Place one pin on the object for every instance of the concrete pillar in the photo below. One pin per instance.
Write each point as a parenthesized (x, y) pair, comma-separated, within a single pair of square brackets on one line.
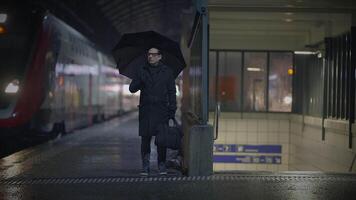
[(200, 158)]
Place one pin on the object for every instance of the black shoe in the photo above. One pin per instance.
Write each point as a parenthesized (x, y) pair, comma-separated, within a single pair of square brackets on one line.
[(145, 165), (144, 173), (162, 169)]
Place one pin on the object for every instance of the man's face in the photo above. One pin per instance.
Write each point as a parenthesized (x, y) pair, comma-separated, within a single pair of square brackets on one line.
[(153, 56)]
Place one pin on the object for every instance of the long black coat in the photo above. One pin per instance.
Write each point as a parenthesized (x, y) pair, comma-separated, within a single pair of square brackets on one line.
[(157, 98)]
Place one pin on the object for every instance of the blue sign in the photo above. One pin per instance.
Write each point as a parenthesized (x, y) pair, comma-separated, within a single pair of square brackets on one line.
[(247, 159), (247, 148)]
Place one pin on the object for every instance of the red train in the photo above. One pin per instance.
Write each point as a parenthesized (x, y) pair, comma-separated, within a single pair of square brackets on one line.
[(53, 79)]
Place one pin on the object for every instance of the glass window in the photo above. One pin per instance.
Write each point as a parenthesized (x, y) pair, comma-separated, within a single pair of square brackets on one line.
[(229, 82), (212, 80), (255, 77), (280, 82)]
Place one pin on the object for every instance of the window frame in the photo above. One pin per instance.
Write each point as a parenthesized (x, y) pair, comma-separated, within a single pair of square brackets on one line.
[(243, 51)]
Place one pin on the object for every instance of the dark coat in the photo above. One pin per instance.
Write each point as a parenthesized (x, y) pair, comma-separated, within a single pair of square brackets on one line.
[(157, 99)]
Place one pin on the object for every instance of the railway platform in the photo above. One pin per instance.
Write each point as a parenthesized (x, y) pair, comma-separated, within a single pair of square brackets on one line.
[(103, 162)]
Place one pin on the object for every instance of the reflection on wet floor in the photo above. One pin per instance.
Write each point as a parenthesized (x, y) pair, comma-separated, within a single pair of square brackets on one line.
[(108, 149)]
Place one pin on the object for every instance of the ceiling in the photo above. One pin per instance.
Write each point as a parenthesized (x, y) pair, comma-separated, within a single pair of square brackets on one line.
[(297, 5), (104, 21), (277, 24), (141, 15)]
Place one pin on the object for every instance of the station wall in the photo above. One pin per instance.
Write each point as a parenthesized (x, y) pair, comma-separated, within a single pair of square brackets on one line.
[(309, 152), (261, 133), (302, 148)]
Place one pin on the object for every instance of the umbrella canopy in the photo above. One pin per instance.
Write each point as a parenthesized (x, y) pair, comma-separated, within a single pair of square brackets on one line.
[(130, 52)]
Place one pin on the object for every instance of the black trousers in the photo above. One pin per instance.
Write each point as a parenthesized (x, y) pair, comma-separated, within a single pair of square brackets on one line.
[(146, 149)]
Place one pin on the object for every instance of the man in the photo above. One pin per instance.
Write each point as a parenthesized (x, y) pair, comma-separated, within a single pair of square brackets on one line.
[(157, 105)]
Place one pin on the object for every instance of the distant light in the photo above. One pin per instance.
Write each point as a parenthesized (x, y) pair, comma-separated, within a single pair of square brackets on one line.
[(12, 87), (304, 52), (290, 71), (254, 69), (287, 100), (3, 17), (2, 29), (61, 81), (273, 77), (288, 20), (289, 13)]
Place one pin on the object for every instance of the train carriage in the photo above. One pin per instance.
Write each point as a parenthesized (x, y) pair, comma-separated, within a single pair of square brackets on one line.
[(52, 78)]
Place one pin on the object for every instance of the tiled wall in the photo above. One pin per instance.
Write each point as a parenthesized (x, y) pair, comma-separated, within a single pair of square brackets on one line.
[(309, 152), (301, 139), (253, 129)]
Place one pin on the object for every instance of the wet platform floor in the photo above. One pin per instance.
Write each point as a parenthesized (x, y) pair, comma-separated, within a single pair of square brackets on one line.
[(103, 162)]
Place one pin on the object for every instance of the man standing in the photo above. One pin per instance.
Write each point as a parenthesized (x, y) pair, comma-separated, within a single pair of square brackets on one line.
[(157, 105)]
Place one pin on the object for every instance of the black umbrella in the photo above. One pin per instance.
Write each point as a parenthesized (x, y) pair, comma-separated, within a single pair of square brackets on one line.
[(130, 52)]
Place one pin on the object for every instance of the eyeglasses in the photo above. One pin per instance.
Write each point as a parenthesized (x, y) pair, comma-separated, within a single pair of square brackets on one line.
[(153, 54)]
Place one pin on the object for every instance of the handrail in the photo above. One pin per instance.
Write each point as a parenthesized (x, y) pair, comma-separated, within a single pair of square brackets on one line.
[(216, 120), (352, 163)]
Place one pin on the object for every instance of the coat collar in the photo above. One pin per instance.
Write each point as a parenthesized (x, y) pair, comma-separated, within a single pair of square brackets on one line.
[(160, 64), (162, 67), (146, 67)]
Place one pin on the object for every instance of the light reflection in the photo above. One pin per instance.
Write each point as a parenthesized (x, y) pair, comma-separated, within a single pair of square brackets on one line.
[(74, 69), (110, 71), (111, 88), (12, 166)]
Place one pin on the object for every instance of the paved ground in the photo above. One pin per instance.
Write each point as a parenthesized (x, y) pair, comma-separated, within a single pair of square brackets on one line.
[(103, 162)]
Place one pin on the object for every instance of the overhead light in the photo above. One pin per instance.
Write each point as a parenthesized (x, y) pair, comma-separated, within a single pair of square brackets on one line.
[(305, 52), (12, 87), (288, 20), (254, 69), (287, 100), (3, 17)]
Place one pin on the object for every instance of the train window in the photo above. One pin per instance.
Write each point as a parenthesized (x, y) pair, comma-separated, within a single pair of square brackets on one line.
[(255, 81), (280, 82)]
